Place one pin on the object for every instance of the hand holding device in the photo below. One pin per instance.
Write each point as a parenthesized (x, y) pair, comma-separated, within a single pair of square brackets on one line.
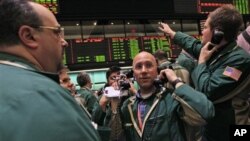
[(111, 92)]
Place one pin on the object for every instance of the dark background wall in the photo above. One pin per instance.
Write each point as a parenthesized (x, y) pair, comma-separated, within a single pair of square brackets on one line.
[(115, 8)]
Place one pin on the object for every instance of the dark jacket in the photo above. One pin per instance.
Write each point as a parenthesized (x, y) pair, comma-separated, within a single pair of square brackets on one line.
[(163, 119), (89, 98), (210, 79)]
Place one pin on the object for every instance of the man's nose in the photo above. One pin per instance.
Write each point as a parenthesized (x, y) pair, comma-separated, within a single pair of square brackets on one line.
[(144, 69), (64, 43)]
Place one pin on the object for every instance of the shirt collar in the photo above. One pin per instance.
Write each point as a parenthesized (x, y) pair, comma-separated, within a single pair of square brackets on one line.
[(18, 60), (28, 65), (139, 96)]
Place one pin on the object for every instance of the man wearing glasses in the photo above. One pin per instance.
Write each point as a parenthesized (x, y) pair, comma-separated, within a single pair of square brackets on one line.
[(34, 107)]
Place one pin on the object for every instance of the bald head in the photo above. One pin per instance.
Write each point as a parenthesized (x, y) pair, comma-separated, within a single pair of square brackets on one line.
[(144, 55), (48, 41), (145, 71), (43, 13)]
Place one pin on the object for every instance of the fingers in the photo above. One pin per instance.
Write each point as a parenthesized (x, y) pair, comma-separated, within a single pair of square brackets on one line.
[(168, 74), (161, 27), (115, 85), (206, 52), (166, 29), (210, 47)]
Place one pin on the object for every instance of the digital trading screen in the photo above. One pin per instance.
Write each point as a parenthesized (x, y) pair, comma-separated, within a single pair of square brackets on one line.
[(123, 48), (86, 50), (52, 5), (105, 52), (242, 6), (206, 6)]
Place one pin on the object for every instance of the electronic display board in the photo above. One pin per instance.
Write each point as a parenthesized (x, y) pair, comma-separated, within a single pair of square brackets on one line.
[(52, 5), (152, 44), (103, 52), (123, 48), (86, 51), (206, 6), (242, 6)]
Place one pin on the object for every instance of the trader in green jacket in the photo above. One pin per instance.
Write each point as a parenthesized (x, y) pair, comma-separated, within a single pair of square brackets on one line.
[(84, 81), (156, 113), (220, 69), (34, 107)]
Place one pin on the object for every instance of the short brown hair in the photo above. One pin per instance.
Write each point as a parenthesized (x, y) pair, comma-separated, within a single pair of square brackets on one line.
[(227, 19)]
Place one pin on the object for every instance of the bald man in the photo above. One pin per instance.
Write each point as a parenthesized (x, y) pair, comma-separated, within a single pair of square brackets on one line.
[(155, 113), (34, 107)]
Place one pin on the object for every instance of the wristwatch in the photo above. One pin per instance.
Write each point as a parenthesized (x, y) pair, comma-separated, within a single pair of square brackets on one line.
[(178, 80)]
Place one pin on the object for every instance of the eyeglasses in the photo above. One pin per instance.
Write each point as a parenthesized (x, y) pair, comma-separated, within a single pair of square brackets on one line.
[(57, 30)]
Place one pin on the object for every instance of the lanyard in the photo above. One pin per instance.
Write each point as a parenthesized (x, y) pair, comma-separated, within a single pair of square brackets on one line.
[(141, 113)]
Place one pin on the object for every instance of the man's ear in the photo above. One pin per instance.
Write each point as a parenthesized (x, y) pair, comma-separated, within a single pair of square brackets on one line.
[(28, 36)]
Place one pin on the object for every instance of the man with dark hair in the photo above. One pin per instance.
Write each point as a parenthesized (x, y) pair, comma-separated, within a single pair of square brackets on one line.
[(84, 81), (221, 67), (107, 113), (65, 81), (33, 104), (111, 71)]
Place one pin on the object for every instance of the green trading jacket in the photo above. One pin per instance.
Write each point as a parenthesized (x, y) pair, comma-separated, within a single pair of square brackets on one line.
[(209, 79), (34, 107), (89, 98), (164, 121)]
